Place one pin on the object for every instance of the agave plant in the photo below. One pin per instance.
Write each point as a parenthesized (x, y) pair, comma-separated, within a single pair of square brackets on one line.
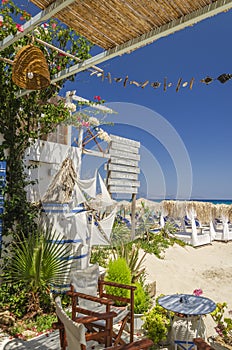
[(38, 261), (134, 261)]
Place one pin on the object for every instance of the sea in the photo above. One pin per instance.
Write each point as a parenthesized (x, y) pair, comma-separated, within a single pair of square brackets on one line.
[(214, 201)]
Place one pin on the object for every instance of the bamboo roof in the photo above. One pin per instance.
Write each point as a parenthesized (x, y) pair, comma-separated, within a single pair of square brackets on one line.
[(109, 23)]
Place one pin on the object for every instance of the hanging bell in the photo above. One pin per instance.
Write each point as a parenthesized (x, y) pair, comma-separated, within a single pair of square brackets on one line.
[(30, 69)]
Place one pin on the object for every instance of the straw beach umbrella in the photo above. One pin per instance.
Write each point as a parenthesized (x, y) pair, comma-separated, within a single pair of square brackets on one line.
[(174, 209), (203, 210)]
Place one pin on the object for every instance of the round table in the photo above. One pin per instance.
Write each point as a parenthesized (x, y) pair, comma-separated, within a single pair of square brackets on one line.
[(188, 306)]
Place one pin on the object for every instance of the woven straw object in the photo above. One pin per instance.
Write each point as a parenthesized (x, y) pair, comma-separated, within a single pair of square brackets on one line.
[(30, 69)]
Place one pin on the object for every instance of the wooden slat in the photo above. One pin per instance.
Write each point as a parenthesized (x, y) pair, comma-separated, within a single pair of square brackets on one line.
[(123, 161), (119, 175), (123, 147), (124, 169), (126, 155), (124, 141), (117, 189), (109, 23), (120, 182)]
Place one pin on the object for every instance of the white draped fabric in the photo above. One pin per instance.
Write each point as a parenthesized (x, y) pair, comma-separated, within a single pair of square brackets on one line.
[(78, 196), (107, 223), (212, 230), (192, 215), (97, 238), (101, 231), (75, 332), (88, 186), (103, 199), (105, 193), (225, 234), (162, 216), (79, 226)]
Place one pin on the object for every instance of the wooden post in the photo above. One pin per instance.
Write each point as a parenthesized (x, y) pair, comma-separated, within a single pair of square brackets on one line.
[(133, 206), (79, 145)]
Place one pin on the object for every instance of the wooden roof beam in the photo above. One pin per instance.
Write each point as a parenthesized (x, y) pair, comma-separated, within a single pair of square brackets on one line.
[(42, 16), (147, 38)]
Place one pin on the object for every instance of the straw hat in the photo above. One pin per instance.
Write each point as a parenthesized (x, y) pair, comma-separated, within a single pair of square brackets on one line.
[(30, 69)]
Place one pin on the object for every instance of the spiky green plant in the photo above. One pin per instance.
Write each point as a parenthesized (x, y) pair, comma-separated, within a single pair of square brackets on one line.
[(37, 261)]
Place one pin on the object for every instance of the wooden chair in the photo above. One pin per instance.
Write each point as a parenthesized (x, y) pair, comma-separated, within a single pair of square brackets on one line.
[(202, 344), (75, 335), (75, 331), (88, 293), (104, 304), (124, 319)]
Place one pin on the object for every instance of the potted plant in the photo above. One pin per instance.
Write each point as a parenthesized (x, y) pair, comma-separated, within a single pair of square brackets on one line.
[(142, 303), (157, 324), (118, 271)]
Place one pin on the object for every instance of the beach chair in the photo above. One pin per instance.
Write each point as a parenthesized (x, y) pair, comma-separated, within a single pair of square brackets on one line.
[(88, 293)]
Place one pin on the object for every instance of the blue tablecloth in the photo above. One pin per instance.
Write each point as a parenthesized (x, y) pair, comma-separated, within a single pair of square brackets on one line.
[(187, 304)]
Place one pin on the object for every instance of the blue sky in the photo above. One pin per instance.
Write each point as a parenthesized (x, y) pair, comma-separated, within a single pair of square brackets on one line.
[(199, 120), (201, 116)]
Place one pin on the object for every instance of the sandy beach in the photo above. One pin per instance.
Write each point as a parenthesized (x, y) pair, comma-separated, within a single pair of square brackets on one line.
[(184, 269)]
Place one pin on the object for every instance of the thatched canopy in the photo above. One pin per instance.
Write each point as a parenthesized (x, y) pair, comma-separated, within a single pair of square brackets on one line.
[(175, 209), (205, 211), (109, 23)]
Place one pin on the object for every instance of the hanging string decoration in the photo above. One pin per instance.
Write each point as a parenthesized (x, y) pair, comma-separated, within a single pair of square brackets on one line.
[(223, 78), (30, 69)]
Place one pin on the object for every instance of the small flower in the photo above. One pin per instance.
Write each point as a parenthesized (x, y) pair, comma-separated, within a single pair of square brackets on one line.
[(197, 292), (58, 67), (54, 25), (93, 121), (98, 98), (1, 20), (44, 27), (36, 31), (4, 1), (102, 135), (22, 18), (19, 27), (71, 106), (86, 124)]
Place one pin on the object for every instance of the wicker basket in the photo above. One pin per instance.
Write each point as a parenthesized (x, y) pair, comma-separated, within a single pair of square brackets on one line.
[(30, 69)]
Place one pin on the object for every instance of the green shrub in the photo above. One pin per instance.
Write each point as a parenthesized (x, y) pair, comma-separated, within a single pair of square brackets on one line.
[(130, 252), (118, 271), (14, 297), (142, 299), (157, 323), (100, 255), (40, 324)]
